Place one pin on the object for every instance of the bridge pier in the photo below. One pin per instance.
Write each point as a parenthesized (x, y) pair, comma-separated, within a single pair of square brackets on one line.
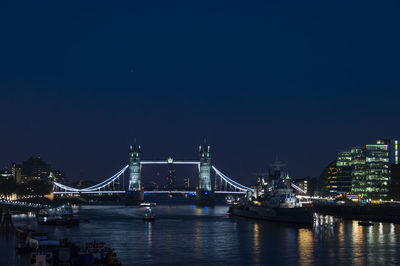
[(204, 198), (134, 197)]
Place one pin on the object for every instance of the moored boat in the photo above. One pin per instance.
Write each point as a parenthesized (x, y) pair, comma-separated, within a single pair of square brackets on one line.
[(274, 200), (60, 216), (42, 259), (281, 207), (365, 223), (22, 231)]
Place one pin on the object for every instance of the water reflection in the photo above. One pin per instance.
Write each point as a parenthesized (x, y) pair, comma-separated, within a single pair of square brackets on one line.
[(191, 235), (256, 243), (147, 232), (357, 243), (306, 246), (198, 239)]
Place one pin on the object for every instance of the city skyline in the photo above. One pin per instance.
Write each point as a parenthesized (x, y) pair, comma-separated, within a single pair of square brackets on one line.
[(259, 81), (154, 171)]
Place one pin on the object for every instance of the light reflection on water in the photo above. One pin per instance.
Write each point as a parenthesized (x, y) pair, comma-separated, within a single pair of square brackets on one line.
[(185, 234), (306, 246)]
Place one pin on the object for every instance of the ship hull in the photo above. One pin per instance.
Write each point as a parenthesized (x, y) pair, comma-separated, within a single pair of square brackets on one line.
[(300, 215)]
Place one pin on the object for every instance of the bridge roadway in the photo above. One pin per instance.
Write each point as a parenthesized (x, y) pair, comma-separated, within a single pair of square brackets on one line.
[(146, 192)]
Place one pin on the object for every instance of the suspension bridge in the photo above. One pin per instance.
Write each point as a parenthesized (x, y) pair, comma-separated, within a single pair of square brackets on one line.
[(115, 184)]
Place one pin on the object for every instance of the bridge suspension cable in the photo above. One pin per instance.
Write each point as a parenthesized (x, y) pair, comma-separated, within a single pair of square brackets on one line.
[(297, 188), (231, 182), (94, 187)]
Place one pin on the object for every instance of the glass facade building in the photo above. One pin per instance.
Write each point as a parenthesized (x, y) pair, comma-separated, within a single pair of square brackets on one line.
[(344, 172), (328, 180), (377, 174), (365, 171), (358, 170)]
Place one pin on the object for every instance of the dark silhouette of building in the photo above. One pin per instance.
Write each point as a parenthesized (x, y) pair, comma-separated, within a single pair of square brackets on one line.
[(395, 181), (16, 171), (35, 168), (58, 176), (187, 183), (171, 180)]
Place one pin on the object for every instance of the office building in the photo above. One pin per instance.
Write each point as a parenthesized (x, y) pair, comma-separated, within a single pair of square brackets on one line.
[(365, 171), (187, 183), (377, 172), (358, 170), (344, 173), (16, 171), (171, 180)]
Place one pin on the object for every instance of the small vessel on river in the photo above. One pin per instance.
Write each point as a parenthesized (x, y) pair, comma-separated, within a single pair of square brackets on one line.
[(147, 204), (149, 215)]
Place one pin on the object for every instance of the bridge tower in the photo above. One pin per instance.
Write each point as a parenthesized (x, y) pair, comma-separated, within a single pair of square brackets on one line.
[(204, 195), (135, 155), (205, 167), (135, 193)]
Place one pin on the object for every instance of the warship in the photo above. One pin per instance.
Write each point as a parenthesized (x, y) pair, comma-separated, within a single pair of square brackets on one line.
[(274, 200)]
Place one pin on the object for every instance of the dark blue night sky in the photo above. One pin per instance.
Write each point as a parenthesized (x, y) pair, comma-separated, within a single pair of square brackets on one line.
[(294, 79)]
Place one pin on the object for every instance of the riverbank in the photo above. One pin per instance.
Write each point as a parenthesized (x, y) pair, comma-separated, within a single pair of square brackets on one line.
[(389, 213)]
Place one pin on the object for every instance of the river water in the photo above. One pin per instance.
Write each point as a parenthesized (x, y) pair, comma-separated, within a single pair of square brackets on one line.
[(185, 234)]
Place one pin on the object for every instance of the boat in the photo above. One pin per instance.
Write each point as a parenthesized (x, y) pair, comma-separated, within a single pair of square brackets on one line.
[(274, 200), (149, 215), (23, 248), (281, 207), (46, 252), (66, 210), (97, 253), (147, 204), (33, 239), (229, 199), (60, 216), (365, 223), (42, 259), (22, 231)]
